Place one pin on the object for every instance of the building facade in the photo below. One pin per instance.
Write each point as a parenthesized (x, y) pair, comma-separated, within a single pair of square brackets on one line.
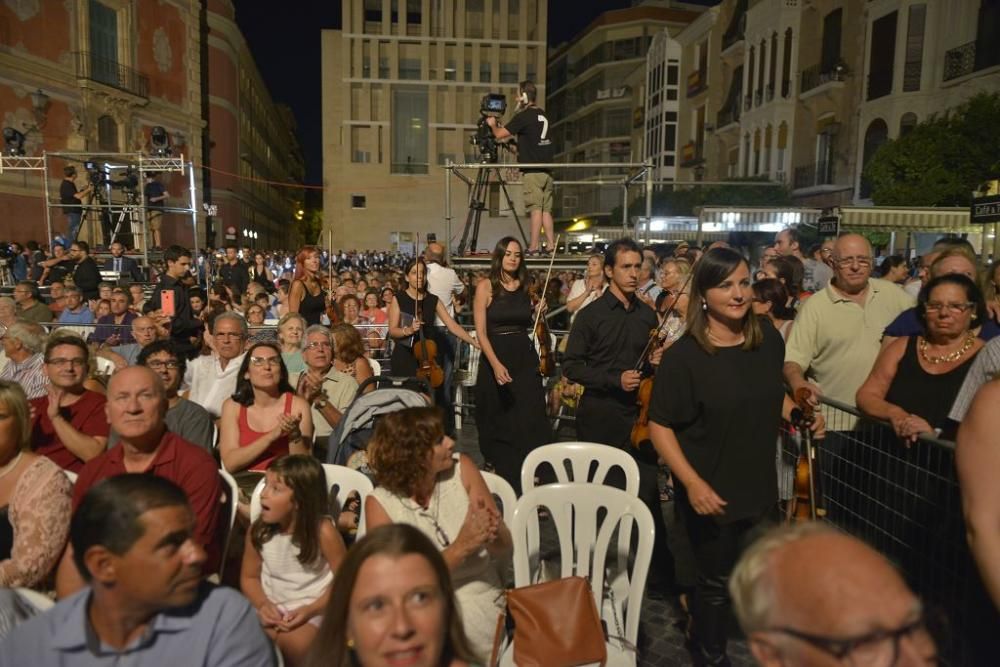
[(253, 160), (592, 108), (403, 82)]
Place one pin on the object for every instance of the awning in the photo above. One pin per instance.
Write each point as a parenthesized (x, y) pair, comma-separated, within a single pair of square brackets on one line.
[(916, 219), (754, 218)]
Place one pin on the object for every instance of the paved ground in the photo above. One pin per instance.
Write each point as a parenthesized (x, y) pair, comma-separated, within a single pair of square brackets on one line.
[(661, 638)]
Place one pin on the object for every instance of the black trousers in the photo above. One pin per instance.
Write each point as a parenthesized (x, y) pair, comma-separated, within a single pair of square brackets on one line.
[(716, 547), (608, 421)]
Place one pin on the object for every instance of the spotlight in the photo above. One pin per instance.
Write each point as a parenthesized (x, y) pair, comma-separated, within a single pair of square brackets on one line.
[(13, 142), (160, 141)]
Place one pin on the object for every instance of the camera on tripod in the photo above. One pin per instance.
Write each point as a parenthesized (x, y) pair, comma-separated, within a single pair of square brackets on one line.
[(495, 105), (100, 175)]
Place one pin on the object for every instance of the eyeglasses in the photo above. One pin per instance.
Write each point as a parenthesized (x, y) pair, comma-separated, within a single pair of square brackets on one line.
[(59, 361), (863, 261), (262, 361), (875, 649), (173, 364), (956, 308), (316, 344)]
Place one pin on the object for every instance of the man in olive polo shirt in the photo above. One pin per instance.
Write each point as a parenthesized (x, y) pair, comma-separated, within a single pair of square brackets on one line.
[(29, 302), (328, 390)]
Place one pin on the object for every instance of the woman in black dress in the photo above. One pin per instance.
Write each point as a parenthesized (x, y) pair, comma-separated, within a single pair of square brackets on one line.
[(405, 322), (510, 397), (717, 404), (306, 296)]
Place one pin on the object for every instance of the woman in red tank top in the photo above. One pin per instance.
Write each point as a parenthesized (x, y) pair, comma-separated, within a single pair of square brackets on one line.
[(264, 419)]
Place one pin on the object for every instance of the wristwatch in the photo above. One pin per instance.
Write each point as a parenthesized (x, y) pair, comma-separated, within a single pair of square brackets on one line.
[(320, 403)]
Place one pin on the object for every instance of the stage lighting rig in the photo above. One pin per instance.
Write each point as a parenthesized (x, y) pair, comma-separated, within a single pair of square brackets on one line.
[(160, 141), (13, 142)]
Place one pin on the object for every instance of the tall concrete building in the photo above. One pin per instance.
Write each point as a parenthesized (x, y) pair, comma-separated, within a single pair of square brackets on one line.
[(592, 110), (402, 86)]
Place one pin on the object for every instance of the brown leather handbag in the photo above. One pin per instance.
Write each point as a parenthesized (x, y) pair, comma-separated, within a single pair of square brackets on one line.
[(555, 624)]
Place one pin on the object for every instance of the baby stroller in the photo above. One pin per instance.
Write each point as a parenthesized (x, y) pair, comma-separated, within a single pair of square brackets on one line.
[(348, 442)]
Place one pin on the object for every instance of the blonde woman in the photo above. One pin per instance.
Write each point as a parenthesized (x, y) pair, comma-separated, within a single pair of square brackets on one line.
[(291, 328)]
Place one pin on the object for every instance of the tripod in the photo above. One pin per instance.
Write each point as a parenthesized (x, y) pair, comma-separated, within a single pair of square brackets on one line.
[(97, 208), (130, 212), (477, 204)]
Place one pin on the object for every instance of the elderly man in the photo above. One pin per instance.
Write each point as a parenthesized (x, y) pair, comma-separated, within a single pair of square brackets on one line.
[(135, 542), (212, 379), (837, 332), (328, 391), (29, 303), (8, 311), (136, 410), (817, 274), (76, 310), (115, 329), (185, 418), (69, 425), (22, 345), (143, 332), (813, 596)]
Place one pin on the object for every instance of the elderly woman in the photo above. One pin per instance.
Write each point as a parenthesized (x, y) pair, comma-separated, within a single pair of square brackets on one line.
[(585, 290), (672, 302), (349, 352), (291, 328), (397, 565), (422, 482), (916, 378)]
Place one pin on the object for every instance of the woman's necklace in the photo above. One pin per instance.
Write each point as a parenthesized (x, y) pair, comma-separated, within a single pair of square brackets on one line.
[(923, 344), (10, 466)]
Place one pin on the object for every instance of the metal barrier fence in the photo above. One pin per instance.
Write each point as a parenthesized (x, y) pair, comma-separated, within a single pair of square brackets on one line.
[(905, 502)]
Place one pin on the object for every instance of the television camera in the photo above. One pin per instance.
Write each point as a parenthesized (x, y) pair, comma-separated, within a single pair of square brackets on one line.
[(495, 105)]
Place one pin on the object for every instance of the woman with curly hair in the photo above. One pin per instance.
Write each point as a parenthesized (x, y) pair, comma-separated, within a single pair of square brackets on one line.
[(349, 352), (423, 482)]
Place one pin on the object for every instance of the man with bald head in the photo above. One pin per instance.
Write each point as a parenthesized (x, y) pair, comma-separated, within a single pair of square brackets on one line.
[(838, 330), (812, 596), (136, 407)]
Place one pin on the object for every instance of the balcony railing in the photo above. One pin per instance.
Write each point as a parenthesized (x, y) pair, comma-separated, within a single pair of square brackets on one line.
[(747, 102), (960, 61), (111, 73), (758, 98), (811, 175), (816, 76), (728, 114), (737, 29)]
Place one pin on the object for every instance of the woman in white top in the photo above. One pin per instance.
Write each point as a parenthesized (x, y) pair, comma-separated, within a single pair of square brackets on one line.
[(586, 290)]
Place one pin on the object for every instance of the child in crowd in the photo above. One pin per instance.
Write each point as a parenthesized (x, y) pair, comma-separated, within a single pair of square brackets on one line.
[(292, 551)]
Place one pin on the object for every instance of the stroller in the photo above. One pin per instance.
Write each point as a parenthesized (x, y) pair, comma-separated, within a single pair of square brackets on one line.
[(348, 442)]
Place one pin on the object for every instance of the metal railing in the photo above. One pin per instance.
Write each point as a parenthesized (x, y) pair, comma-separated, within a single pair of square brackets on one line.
[(959, 61), (728, 114), (111, 73), (816, 76), (904, 502), (813, 174)]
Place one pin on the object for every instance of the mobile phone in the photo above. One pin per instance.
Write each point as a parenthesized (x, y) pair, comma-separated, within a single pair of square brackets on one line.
[(167, 303)]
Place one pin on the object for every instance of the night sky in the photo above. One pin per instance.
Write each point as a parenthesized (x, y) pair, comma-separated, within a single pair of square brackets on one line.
[(286, 46)]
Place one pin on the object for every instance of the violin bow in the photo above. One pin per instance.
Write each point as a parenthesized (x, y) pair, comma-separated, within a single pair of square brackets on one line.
[(548, 274), (659, 329)]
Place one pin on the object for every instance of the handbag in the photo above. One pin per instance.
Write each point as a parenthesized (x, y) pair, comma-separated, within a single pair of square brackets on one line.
[(555, 623)]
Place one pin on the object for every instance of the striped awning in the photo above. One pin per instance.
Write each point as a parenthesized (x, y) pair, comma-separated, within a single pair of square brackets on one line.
[(754, 218), (917, 219)]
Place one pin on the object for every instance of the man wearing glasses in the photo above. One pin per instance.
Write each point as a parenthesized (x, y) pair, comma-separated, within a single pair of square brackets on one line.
[(212, 379), (327, 390), (858, 612), (68, 425)]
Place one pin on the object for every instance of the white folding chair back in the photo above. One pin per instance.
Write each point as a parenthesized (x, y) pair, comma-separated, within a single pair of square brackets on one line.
[(376, 366), (341, 480), (585, 541), (502, 489), (104, 366), (589, 462), (230, 504), (466, 371)]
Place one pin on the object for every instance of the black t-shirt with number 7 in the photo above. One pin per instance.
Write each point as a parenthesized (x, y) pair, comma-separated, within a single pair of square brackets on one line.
[(534, 143)]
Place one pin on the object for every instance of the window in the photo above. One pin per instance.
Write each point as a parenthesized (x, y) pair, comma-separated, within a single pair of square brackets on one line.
[(485, 71), (103, 43), (409, 132), (875, 136), (360, 144), (907, 123), (912, 65), (107, 134), (359, 201), (831, 41), (409, 68), (786, 65), (883, 53)]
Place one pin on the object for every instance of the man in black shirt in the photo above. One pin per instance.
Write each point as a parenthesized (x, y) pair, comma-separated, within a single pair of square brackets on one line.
[(183, 325), (86, 275), (156, 196), (605, 344), (534, 146), (69, 199), (234, 272)]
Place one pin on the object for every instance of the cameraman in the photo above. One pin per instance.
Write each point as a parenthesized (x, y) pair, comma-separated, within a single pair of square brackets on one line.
[(155, 195), (69, 199), (531, 127)]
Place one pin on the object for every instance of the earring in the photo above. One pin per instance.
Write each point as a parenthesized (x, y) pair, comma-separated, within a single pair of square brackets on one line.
[(350, 644), (704, 305)]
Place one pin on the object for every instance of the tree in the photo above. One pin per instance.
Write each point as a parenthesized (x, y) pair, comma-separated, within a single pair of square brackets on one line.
[(310, 225), (942, 160), (684, 199)]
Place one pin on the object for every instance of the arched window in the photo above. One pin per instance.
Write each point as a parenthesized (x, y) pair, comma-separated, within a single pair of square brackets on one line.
[(107, 134), (907, 123), (876, 135)]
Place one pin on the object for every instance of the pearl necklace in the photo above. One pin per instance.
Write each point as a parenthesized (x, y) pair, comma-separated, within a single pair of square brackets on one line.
[(10, 466), (923, 344)]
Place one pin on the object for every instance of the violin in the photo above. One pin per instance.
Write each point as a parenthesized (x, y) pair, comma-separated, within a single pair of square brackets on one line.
[(546, 356), (426, 350), (640, 429), (804, 503)]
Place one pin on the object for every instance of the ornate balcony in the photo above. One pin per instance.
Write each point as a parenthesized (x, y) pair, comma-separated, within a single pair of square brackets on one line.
[(817, 76), (960, 61), (111, 73), (812, 175)]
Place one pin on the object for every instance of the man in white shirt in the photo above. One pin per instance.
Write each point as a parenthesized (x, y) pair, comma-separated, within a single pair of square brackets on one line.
[(212, 379), (443, 283)]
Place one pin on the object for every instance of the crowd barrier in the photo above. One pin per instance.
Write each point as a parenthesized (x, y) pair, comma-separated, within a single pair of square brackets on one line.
[(904, 502)]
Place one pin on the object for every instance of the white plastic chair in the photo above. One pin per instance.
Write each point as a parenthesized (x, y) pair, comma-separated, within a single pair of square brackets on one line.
[(376, 366), (71, 476), (502, 489), (231, 503), (104, 366), (341, 480), (584, 544), (465, 377), (37, 600)]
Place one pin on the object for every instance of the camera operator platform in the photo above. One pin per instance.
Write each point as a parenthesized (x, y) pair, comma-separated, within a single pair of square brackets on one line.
[(530, 126)]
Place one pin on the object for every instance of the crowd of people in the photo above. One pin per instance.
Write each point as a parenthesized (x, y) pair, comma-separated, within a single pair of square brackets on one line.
[(141, 395)]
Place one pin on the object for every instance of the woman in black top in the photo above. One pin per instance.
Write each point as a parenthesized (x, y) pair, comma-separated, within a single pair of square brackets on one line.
[(717, 404), (510, 398), (307, 297), (916, 378), (405, 322), (260, 274)]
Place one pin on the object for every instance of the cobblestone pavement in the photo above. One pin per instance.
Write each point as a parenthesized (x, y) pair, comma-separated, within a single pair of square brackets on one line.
[(661, 637)]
